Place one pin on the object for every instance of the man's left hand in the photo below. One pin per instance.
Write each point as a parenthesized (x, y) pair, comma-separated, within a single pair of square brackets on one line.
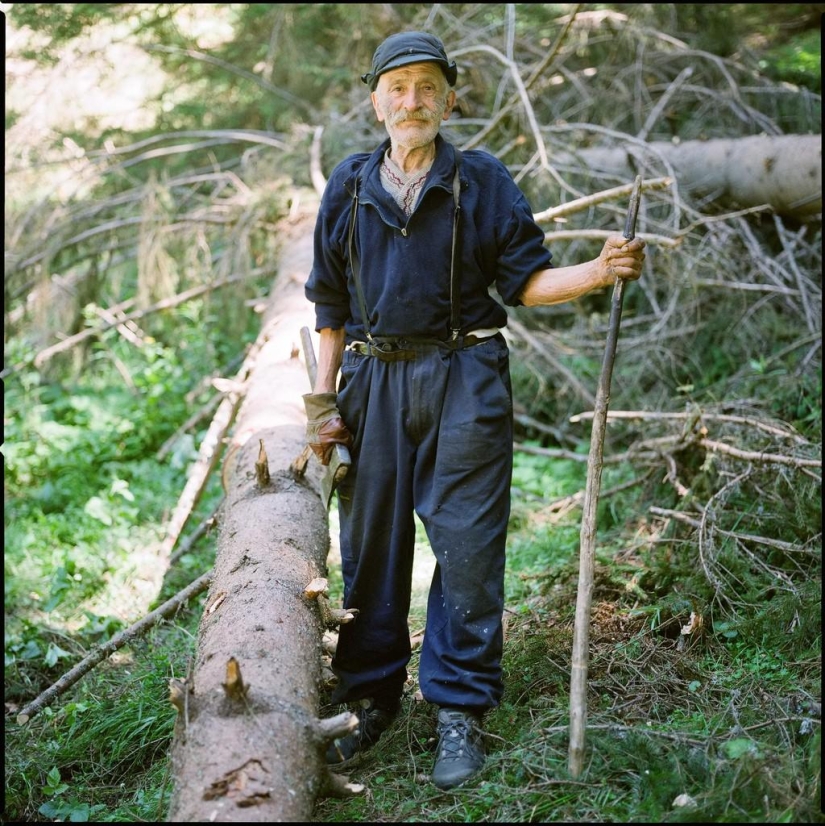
[(621, 258), (325, 427)]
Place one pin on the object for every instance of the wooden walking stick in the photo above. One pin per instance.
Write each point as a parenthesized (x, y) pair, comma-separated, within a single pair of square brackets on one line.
[(578, 667)]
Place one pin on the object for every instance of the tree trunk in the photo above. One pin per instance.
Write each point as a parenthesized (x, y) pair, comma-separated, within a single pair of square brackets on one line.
[(248, 746), (784, 171)]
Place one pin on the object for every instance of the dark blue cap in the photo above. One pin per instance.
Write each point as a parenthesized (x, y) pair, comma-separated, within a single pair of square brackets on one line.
[(409, 47)]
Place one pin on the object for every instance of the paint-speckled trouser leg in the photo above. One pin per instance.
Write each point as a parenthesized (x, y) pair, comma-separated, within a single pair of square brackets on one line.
[(432, 435)]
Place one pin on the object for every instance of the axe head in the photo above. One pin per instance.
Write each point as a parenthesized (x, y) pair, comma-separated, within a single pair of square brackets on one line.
[(334, 472)]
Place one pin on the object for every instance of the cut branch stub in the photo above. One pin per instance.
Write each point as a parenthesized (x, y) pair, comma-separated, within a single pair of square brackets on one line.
[(234, 685), (333, 617), (319, 586), (330, 617), (178, 691), (338, 726), (339, 785), (262, 466)]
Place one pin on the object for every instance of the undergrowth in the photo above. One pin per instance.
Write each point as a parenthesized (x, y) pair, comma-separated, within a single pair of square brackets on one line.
[(717, 723), (86, 502), (692, 716)]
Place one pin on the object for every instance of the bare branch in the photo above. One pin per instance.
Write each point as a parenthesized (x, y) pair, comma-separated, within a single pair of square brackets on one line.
[(786, 547), (166, 304), (108, 648), (785, 431), (758, 456)]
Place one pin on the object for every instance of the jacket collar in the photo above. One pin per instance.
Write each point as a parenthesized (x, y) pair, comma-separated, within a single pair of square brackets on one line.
[(441, 173)]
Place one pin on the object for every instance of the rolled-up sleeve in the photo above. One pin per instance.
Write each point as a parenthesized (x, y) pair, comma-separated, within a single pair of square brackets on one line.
[(522, 251)]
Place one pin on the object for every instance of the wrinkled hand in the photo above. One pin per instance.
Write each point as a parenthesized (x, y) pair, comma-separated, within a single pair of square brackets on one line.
[(325, 427), (621, 258)]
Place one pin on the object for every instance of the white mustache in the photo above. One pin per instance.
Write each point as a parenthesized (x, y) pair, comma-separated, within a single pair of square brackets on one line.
[(406, 114)]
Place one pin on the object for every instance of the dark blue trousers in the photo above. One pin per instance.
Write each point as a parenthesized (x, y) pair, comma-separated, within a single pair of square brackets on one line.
[(432, 436)]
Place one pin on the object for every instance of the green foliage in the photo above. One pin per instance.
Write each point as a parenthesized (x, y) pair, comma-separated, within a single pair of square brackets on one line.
[(84, 493), (106, 750), (798, 62), (63, 22)]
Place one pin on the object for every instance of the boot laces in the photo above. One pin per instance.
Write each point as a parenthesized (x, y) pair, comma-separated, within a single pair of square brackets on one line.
[(457, 738)]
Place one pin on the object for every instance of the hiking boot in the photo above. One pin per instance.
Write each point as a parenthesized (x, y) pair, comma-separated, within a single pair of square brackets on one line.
[(373, 720), (460, 748)]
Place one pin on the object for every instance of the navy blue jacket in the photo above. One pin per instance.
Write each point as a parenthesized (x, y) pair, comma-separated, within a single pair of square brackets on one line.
[(405, 261)]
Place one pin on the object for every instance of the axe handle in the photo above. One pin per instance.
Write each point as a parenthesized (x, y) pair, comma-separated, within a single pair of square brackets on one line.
[(300, 464), (309, 356)]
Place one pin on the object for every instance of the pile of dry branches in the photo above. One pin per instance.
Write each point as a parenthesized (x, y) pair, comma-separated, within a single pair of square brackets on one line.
[(162, 242)]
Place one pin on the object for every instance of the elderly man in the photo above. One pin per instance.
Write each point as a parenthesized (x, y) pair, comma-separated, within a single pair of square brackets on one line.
[(409, 240)]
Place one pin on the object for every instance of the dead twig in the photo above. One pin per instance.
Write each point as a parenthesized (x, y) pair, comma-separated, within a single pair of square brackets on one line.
[(479, 137), (522, 92), (319, 182), (168, 303), (759, 457), (108, 648), (208, 457), (200, 531), (520, 330), (778, 544), (784, 431), (201, 413), (582, 204)]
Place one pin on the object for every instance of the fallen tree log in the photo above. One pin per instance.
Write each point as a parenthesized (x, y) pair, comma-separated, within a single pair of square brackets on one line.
[(249, 746), (784, 171)]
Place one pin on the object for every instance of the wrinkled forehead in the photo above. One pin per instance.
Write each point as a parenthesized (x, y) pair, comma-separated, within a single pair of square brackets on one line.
[(413, 73)]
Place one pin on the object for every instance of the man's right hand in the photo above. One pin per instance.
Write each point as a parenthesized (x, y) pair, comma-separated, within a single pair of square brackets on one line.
[(325, 427)]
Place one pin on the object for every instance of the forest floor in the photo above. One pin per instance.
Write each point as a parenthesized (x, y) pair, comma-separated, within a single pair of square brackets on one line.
[(682, 727)]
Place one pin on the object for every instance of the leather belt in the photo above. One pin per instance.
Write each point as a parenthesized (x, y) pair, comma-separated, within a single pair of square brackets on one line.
[(400, 349)]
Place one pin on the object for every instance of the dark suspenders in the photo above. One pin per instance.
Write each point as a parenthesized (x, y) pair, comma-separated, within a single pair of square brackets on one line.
[(455, 255), (455, 261)]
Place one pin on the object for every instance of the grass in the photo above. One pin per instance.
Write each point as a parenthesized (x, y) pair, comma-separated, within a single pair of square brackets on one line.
[(718, 725), (726, 718), (101, 755), (662, 724), (85, 504)]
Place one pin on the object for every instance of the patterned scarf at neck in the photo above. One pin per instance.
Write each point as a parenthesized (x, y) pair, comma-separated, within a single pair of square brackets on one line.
[(405, 189)]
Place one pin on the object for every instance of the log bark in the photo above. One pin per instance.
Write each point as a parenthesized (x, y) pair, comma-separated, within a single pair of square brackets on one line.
[(784, 171), (250, 748)]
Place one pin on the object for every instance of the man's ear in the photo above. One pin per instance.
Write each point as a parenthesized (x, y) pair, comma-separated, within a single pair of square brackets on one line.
[(375, 105), (451, 99)]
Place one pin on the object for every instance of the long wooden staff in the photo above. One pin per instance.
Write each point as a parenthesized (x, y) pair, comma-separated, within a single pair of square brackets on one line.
[(580, 656)]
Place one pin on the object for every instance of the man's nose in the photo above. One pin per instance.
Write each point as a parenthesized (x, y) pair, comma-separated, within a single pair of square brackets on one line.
[(412, 99)]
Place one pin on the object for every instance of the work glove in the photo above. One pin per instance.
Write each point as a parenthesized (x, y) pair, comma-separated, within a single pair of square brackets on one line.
[(325, 427)]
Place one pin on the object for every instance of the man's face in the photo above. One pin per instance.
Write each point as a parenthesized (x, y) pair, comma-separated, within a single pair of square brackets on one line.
[(411, 102)]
